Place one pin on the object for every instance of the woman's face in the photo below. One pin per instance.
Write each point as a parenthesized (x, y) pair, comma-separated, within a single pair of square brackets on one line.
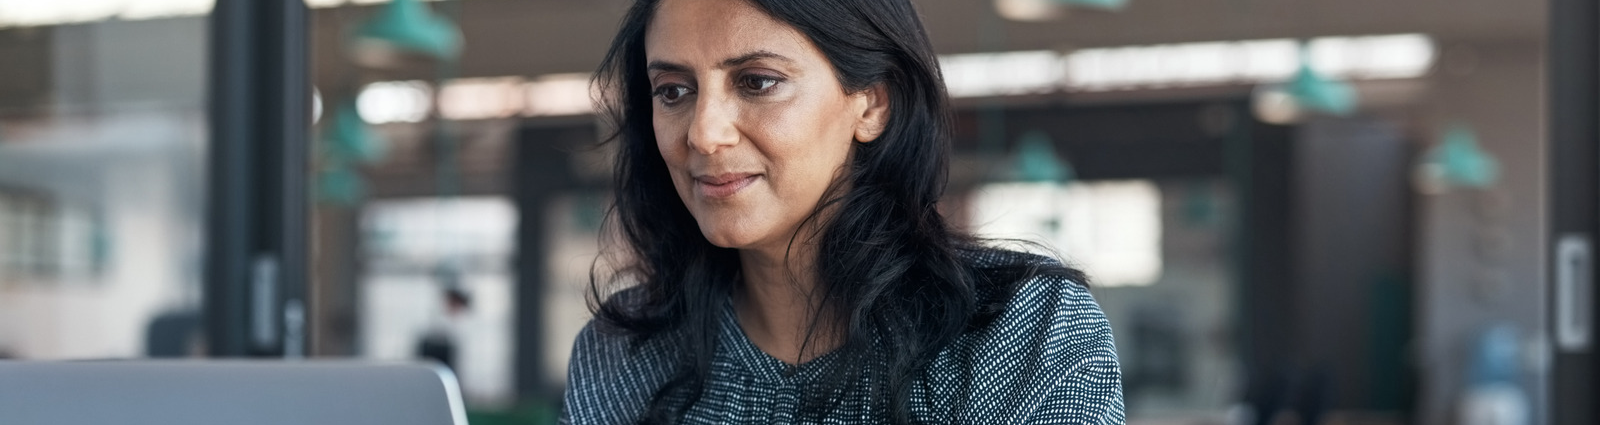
[(750, 118)]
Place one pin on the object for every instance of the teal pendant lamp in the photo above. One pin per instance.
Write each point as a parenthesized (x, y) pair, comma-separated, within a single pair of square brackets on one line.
[(1317, 93), (347, 139), (407, 26), (1035, 161), (340, 185), (1458, 161), (1306, 91), (346, 142)]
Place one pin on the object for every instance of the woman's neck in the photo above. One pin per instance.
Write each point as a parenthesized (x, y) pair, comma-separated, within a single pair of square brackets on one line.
[(777, 303)]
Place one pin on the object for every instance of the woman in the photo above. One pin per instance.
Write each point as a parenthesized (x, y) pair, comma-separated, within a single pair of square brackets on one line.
[(779, 167)]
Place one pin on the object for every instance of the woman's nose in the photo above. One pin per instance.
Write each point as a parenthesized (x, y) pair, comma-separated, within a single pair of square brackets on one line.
[(713, 126)]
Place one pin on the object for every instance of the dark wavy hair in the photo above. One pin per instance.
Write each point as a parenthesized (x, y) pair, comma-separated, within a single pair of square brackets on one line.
[(897, 282)]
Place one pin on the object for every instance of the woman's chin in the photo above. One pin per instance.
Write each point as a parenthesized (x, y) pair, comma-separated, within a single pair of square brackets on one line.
[(728, 239), (732, 236)]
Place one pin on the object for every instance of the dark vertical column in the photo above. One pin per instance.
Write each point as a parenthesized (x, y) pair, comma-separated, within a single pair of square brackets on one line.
[(540, 172), (1574, 207), (255, 268), (1259, 164)]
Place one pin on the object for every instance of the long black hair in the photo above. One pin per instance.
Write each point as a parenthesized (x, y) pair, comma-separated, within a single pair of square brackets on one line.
[(897, 281)]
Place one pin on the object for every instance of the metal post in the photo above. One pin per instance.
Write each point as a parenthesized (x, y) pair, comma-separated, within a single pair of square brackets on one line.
[(1574, 185), (255, 268)]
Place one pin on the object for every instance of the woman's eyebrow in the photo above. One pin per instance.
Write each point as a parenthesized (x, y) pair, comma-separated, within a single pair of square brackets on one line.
[(753, 56), (664, 66)]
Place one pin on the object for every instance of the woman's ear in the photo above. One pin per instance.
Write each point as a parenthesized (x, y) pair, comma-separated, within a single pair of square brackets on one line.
[(875, 113)]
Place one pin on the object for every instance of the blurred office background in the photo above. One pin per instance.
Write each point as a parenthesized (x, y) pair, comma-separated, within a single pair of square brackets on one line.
[(1294, 211)]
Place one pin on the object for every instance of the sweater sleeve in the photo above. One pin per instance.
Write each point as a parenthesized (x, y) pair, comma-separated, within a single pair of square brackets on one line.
[(1090, 393), (1082, 382)]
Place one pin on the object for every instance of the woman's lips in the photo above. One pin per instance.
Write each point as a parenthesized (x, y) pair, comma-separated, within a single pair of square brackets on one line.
[(724, 185)]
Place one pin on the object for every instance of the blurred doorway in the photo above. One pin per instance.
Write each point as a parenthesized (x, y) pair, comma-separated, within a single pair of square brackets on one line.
[(1262, 259)]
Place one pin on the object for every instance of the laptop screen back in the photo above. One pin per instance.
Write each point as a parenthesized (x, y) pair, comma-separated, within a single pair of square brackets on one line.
[(228, 392)]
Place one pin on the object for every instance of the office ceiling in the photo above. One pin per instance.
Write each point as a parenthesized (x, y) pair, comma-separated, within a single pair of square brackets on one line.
[(535, 37)]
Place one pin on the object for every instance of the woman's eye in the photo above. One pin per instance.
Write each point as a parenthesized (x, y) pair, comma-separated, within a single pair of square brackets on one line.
[(671, 93), (757, 83)]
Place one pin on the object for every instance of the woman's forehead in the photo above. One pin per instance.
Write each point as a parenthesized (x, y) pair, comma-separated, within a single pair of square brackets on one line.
[(707, 33)]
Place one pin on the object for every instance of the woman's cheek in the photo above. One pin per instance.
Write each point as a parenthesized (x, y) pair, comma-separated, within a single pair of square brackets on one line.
[(669, 140)]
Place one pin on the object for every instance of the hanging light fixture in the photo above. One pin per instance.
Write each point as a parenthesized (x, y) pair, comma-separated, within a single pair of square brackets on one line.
[(1456, 162), (339, 184), (346, 142), (1307, 91), (404, 27), (1317, 93), (347, 138), (1035, 161)]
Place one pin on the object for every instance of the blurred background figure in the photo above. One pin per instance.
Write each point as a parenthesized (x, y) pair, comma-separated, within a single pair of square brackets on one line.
[(438, 342), (1325, 212)]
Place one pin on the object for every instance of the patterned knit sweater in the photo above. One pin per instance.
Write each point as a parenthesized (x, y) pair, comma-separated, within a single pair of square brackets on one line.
[(1048, 359)]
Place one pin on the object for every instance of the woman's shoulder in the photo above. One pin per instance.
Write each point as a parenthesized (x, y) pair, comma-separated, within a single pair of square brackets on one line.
[(1058, 342), (1050, 305), (612, 375), (1050, 345)]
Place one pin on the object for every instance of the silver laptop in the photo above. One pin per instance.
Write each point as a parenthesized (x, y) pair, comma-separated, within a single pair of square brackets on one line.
[(212, 392)]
